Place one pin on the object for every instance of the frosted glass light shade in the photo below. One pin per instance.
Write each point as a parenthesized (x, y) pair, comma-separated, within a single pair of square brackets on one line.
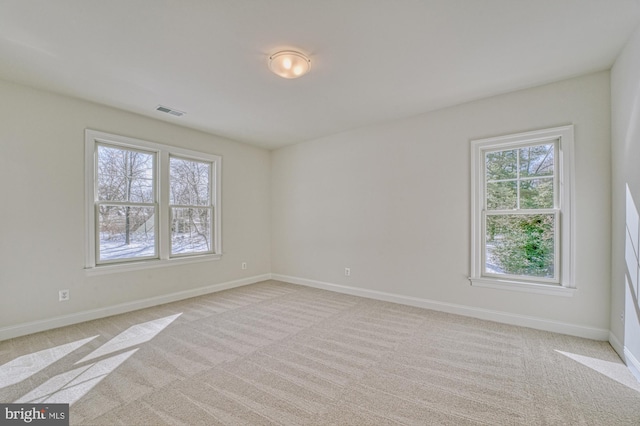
[(289, 64)]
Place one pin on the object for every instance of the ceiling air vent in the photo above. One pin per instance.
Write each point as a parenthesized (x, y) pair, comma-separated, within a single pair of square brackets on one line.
[(170, 111)]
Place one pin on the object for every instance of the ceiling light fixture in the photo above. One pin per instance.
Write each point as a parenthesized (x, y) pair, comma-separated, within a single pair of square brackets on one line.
[(289, 64)]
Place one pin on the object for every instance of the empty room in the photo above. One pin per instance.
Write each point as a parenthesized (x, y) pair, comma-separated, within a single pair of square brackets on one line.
[(354, 212)]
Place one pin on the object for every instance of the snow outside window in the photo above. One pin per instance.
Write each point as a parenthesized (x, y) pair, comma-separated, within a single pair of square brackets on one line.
[(149, 204), (126, 205), (190, 206)]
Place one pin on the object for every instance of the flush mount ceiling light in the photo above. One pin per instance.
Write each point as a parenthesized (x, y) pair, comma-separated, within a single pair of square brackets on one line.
[(289, 64)]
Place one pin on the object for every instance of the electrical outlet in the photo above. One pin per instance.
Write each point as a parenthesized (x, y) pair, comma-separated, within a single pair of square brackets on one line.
[(347, 272), (63, 295), (622, 316), (244, 265)]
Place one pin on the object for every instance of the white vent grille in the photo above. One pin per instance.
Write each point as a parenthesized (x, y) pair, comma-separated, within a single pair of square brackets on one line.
[(171, 111)]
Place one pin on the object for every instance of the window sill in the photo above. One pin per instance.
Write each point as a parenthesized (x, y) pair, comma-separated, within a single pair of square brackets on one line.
[(148, 264), (548, 289)]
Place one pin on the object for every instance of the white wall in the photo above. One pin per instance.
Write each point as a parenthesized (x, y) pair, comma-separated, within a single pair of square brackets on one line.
[(625, 124), (391, 202), (42, 211)]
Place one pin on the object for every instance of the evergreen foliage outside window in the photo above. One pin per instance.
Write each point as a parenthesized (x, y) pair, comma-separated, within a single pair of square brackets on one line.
[(522, 208), (520, 212)]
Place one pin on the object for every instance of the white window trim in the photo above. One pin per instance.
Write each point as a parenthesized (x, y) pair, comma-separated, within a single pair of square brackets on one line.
[(212, 207), (565, 178), (92, 139)]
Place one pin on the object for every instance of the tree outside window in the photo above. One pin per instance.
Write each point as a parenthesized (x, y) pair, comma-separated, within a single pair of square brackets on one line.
[(149, 204), (126, 203), (522, 186), (520, 236), (190, 204)]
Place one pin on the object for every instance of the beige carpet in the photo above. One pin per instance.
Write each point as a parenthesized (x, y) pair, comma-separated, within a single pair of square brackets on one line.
[(275, 353)]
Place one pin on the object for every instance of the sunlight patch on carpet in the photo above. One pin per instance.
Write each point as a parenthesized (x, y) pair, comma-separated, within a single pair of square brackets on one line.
[(614, 370), (27, 365)]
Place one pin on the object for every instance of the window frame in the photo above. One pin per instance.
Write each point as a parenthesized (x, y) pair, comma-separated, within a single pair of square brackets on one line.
[(210, 206), (162, 153), (564, 284), (98, 203)]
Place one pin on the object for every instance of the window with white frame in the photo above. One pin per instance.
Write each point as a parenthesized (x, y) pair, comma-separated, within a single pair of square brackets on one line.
[(521, 210), (190, 206), (149, 203)]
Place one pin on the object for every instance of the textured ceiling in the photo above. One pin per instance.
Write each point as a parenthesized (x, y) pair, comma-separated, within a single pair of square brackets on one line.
[(372, 60)]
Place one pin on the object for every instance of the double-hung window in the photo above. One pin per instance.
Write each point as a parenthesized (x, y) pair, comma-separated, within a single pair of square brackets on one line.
[(190, 206), (148, 203), (521, 211), (126, 203)]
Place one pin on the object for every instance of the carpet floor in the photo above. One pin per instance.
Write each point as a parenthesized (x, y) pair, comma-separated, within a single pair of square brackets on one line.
[(276, 353)]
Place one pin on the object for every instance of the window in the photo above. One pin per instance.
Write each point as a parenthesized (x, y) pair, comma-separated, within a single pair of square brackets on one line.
[(521, 211), (149, 204), (190, 206)]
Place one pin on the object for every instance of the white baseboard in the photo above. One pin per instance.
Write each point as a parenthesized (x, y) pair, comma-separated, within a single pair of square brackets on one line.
[(64, 320), (632, 363), (502, 317), (616, 345), (485, 314)]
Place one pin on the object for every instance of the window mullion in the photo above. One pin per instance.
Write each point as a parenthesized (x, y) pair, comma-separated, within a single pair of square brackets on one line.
[(557, 247), (501, 180), (557, 197), (125, 203), (518, 179), (164, 216), (215, 197), (190, 206), (521, 212)]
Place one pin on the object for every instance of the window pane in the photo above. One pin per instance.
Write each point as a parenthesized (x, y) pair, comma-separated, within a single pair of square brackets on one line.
[(190, 230), (125, 175), (520, 245), (501, 195), (126, 232), (189, 181), (502, 164), (536, 193), (537, 160)]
